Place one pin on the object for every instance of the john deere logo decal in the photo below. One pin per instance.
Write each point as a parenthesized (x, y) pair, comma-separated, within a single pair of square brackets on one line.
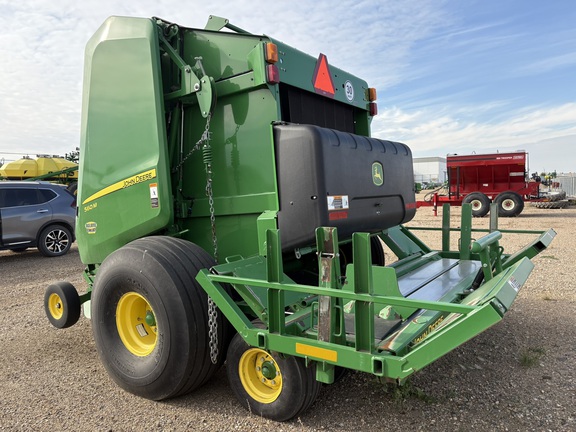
[(377, 174)]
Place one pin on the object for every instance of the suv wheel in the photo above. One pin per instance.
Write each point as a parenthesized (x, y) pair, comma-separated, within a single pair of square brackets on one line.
[(54, 240)]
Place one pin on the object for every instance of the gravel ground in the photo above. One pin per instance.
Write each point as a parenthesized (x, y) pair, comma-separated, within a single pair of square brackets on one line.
[(517, 376)]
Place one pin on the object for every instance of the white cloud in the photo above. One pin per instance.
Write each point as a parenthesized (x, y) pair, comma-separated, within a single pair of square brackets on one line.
[(438, 132), (42, 53), (42, 50)]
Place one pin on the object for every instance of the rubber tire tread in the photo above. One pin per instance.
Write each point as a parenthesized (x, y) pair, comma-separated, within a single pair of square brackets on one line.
[(287, 406), (169, 273), (550, 204), (556, 196), (190, 258), (376, 250), (513, 196), (192, 254), (71, 304), (483, 211)]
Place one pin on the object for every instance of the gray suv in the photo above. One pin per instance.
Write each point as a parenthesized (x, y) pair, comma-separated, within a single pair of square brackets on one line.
[(36, 214)]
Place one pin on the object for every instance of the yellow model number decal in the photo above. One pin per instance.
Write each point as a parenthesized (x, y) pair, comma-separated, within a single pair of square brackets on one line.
[(122, 184), (90, 207)]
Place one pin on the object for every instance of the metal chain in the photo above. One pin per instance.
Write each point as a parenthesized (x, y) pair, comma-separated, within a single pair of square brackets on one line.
[(210, 196), (212, 310), (213, 330), (204, 143), (205, 138)]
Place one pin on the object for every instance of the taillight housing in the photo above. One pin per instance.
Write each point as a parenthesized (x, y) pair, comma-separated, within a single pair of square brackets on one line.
[(373, 107), (371, 93), (270, 52), (371, 96), (272, 74)]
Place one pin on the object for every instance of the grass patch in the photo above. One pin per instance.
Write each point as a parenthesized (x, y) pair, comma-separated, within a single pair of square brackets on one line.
[(531, 357), (400, 393)]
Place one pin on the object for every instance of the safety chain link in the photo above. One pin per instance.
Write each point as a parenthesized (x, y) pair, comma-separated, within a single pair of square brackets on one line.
[(204, 139), (212, 310), (204, 143), (213, 330)]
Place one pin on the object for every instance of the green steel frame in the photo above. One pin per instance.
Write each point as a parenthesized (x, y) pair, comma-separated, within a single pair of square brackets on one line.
[(308, 321)]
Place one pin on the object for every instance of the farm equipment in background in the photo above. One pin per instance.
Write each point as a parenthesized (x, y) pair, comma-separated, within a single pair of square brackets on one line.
[(480, 179), (54, 169), (233, 207), (44, 167)]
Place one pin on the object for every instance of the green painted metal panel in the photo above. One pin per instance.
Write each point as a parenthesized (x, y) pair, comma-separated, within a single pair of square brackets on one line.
[(244, 171), (297, 69), (124, 191)]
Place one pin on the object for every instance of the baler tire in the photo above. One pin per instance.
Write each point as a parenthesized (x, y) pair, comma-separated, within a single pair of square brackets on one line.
[(376, 249), (62, 305), (480, 203), (150, 318), (510, 204), (340, 373), (295, 392)]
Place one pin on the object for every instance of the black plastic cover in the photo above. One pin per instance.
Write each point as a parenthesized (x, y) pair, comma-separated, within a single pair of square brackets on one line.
[(338, 179)]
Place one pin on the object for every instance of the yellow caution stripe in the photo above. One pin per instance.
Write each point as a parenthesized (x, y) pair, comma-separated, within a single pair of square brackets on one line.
[(123, 184), (320, 353)]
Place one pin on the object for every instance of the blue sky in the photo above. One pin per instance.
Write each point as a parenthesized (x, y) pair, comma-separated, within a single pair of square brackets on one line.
[(452, 76)]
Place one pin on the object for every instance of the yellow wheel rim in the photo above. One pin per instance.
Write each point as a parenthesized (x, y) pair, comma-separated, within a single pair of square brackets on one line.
[(260, 375), (136, 324), (55, 306)]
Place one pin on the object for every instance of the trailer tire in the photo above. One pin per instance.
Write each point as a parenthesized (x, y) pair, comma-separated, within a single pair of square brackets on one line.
[(62, 304), (510, 204), (150, 318), (550, 204), (555, 196), (480, 203), (280, 396)]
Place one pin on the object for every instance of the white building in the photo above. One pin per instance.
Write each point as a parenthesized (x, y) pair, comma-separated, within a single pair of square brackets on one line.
[(430, 170)]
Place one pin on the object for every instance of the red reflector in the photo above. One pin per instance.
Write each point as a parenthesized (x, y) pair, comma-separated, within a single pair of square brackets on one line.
[(373, 108), (272, 74), (336, 215), (322, 79)]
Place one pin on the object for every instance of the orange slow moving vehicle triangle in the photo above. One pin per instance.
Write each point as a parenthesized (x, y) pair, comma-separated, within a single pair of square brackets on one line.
[(322, 79)]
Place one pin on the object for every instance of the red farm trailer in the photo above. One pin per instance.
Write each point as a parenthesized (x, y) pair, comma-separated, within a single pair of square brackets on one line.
[(480, 179)]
